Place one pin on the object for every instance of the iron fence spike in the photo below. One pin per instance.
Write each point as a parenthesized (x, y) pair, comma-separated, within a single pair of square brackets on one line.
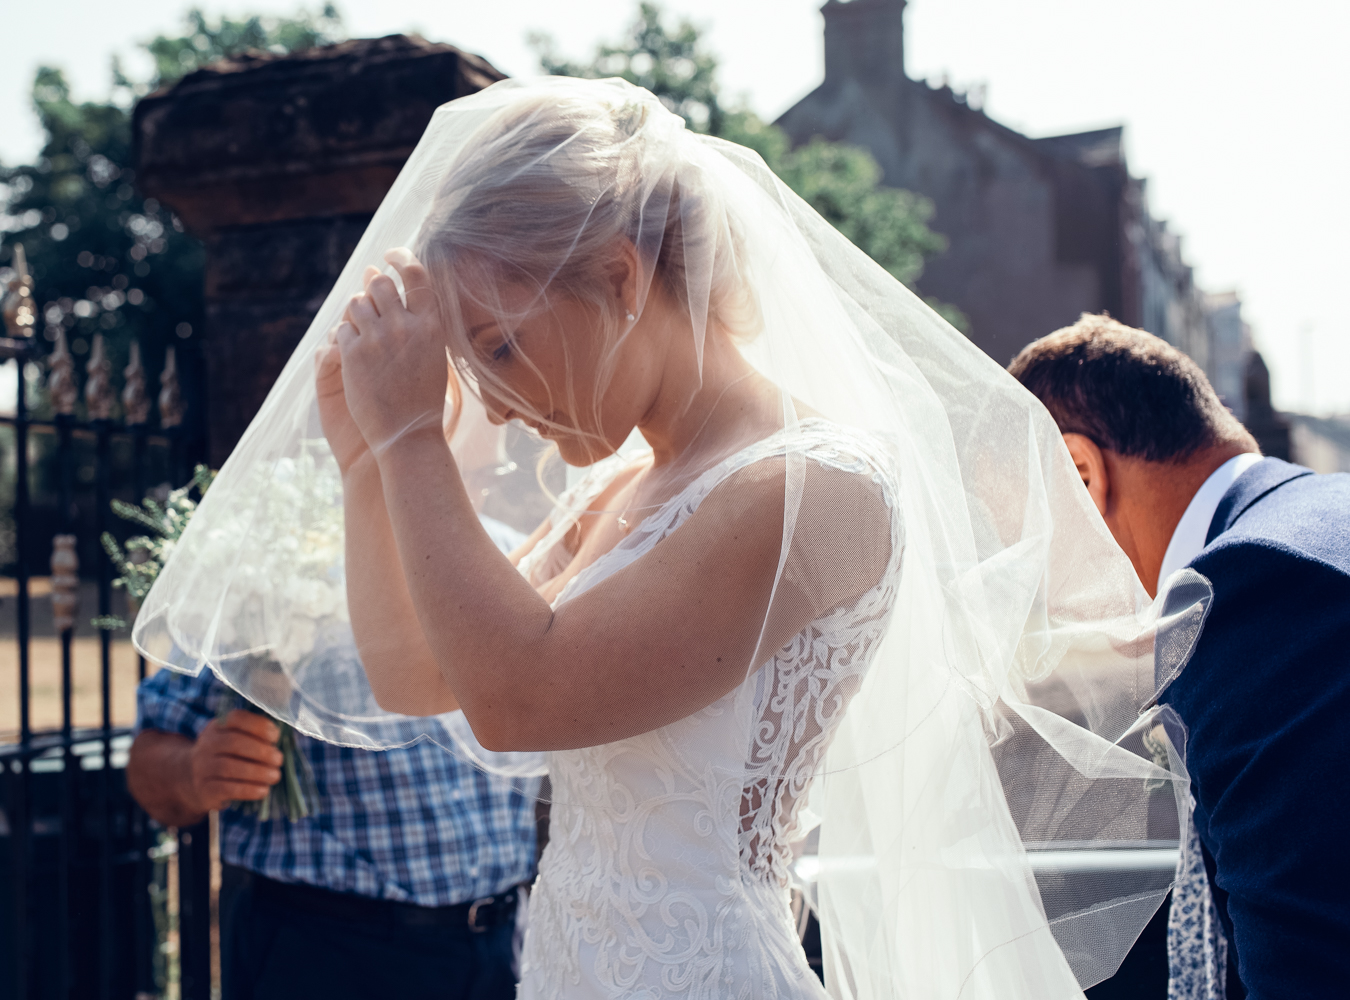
[(98, 391)]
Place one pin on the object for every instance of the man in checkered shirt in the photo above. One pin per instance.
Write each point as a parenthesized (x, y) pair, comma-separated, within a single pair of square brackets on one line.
[(403, 882)]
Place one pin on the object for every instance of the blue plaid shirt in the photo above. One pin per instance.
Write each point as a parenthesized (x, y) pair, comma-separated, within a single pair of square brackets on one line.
[(416, 824)]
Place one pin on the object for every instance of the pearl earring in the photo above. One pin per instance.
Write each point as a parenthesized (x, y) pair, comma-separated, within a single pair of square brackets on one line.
[(631, 317)]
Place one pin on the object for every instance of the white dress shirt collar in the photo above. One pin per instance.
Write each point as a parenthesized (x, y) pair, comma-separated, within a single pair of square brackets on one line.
[(1188, 541)]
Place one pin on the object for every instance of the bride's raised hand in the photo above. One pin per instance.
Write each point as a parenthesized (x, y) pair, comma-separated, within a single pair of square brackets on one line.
[(393, 356), (344, 437)]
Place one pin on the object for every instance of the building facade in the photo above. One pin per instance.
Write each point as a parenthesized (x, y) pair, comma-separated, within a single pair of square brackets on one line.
[(1040, 230), (1321, 443), (1230, 347)]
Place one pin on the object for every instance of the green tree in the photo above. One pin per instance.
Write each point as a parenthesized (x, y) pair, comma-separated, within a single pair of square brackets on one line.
[(204, 42), (670, 62), (104, 259), (841, 182)]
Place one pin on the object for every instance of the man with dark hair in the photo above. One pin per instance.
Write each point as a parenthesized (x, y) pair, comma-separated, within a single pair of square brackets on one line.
[(1266, 695)]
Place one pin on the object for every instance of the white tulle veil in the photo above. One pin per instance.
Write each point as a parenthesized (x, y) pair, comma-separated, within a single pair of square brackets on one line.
[(1007, 723)]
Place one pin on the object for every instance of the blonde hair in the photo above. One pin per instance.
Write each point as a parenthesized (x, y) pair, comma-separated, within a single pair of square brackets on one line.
[(544, 198)]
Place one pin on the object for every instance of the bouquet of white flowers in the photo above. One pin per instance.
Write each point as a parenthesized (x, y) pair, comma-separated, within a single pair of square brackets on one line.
[(285, 554), (138, 565)]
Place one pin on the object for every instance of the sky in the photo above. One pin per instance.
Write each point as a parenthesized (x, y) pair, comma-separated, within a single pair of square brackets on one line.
[(1235, 111)]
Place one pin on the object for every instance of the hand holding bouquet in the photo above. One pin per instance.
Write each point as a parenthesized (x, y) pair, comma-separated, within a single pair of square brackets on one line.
[(294, 796)]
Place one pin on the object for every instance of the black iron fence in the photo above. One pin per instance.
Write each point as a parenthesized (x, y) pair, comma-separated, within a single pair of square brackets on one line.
[(82, 868)]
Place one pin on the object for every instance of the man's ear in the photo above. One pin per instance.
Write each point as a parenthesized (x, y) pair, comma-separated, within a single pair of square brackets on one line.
[(1091, 465)]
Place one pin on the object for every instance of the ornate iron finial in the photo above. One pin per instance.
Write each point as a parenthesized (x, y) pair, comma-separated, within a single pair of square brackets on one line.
[(170, 398), (20, 311), (98, 390), (61, 381), (65, 583), (135, 403)]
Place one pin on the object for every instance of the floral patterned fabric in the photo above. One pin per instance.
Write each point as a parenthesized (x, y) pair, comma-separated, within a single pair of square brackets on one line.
[(1197, 949)]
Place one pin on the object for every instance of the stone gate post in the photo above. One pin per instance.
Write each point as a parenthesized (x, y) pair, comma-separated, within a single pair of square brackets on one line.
[(277, 163)]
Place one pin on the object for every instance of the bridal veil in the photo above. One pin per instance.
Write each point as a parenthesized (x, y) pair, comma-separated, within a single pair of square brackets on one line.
[(1003, 768)]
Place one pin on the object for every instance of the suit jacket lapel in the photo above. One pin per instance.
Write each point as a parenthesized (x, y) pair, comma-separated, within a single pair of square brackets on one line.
[(1266, 475)]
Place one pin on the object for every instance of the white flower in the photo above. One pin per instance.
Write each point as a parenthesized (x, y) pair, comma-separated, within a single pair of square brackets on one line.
[(313, 599), (279, 556), (297, 643)]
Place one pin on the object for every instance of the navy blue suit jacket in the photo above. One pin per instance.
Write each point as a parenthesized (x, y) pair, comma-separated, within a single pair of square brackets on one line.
[(1266, 701)]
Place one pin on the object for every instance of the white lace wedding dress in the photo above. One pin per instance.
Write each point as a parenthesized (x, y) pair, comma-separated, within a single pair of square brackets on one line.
[(667, 868)]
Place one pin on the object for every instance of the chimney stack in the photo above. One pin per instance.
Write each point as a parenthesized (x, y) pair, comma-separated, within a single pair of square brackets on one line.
[(865, 41)]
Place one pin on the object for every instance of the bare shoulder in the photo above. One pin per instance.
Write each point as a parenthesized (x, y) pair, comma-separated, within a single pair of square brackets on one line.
[(834, 509), (848, 484)]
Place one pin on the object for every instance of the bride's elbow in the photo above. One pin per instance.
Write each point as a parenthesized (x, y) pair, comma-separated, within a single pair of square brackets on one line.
[(396, 702), (491, 735), (399, 702), (500, 732)]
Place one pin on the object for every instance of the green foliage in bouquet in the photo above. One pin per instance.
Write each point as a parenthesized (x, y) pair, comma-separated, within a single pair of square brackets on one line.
[(138, 564)]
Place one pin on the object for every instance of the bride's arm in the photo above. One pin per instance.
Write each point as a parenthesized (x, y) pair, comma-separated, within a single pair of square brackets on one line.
[(383, 621), (662, 638), (407, 678), (656, 641)]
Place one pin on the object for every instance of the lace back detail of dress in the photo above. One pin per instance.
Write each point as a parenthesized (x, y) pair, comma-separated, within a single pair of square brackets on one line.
[(801, 694)]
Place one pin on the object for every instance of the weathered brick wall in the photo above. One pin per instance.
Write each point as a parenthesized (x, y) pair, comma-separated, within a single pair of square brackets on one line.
[(277, 164)]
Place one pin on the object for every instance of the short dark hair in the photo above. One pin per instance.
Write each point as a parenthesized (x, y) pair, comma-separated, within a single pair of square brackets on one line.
[(1127, 390)]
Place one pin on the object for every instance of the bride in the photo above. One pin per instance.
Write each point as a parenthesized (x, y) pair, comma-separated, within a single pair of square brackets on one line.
[(826, 576)]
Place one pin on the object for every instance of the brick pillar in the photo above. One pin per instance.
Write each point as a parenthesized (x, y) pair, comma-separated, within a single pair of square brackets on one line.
[(277, 163)]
